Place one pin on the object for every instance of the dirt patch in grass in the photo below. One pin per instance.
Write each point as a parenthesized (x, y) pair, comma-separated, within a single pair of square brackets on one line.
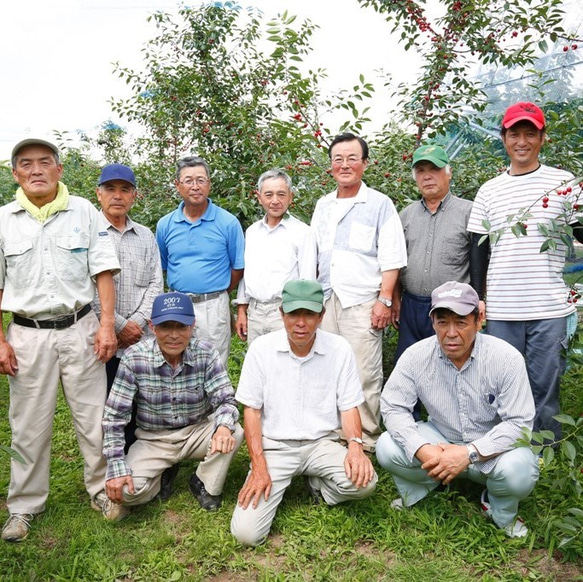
[(551, 568)]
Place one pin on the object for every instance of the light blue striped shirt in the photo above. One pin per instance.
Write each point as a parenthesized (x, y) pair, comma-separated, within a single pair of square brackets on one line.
[(487, 402)]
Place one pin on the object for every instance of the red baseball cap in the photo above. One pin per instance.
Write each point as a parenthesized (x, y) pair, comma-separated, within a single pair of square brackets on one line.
[(524, 111)]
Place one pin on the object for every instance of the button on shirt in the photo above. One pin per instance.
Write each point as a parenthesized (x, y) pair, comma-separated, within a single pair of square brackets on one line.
[(357, 238), (300, 398), (167, 397), (140, 280), (274, 256), (487, 402), (438, 245), (47, 269)]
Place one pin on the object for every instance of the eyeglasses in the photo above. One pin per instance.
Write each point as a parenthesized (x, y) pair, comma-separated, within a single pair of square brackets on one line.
[(350, 160), (189, 182)]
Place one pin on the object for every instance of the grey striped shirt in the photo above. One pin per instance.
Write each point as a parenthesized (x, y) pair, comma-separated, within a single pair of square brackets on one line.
[(487, 402)]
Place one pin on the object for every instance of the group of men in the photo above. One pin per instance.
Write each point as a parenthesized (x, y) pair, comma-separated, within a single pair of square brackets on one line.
[(313, 304)]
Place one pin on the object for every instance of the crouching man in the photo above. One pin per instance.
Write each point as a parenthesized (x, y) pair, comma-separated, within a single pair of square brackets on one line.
[(299, 386), (185, 410), (475, 389)]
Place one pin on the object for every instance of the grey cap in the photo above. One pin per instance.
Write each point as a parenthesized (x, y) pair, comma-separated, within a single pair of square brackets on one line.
[(33, 141), (457, 297)]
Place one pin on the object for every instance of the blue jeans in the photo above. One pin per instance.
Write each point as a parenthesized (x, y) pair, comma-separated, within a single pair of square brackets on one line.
[(542, 342), (511, 480)]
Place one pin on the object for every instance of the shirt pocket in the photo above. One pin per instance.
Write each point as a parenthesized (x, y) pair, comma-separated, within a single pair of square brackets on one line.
[(19, 263), (361, 237), (455, 249), (71, 256)]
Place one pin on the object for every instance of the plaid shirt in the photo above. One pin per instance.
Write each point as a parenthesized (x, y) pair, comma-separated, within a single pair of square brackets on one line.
[(166, 398), (140, 279)]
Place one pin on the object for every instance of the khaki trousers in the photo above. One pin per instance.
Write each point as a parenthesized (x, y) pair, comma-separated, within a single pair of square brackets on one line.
[(156, 450), (322, 461), (263, 318), (213, 324), (44, 356), (353, 324)]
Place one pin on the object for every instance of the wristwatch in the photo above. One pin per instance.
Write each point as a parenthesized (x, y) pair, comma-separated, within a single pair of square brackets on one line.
[(473, 453), (356, 440), (386, 302)]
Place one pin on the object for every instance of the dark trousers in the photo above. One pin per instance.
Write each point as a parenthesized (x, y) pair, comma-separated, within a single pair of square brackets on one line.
[(414, 322), (414, 325), (130, 428)]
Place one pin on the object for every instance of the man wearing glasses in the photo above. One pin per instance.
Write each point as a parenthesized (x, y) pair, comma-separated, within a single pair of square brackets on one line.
[(201, 246), (361, 248)]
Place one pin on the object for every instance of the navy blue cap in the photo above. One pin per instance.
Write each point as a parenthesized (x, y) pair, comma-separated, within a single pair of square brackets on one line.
[(117, 172), (172, 307)]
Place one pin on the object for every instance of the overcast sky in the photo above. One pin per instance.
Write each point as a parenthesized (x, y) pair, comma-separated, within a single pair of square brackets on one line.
[(57, 56)]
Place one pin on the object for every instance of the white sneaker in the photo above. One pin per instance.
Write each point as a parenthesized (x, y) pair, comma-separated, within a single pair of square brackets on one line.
[(398, 504), (515, 529), (16, 527), (110, 510)]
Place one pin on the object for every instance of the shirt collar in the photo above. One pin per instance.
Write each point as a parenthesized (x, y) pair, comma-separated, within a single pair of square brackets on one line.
[(283, 222), (442, 204), (319, 347), (209, 214)]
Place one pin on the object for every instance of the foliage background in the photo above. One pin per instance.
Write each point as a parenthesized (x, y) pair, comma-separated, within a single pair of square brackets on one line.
[(207, 89)]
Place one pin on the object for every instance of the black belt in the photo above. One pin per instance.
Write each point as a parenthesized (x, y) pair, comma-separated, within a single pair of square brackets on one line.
[(62, 322), (200, 297)]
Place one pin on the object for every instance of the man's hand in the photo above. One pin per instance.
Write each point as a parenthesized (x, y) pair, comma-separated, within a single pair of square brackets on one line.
[(105, 343), (396, 311), (454, 459), (357, 465), (8, 363), (258, 483), (241, 323), (222, 441), (130, 334), (380, 316), (114, 487)]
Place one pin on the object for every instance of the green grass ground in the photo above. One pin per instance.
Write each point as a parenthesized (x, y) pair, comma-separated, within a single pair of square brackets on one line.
[(443, 538)]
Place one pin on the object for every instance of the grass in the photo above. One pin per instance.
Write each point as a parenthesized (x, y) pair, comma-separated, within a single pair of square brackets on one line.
[(443, 538)]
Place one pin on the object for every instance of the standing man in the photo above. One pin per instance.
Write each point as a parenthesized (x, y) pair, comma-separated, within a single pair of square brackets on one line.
[(54, 253), (140, 280), (278, 248), (361, 248), (186, 409), (438, 246), (298, 386), (527, 299), (475, 389), (202, 248)]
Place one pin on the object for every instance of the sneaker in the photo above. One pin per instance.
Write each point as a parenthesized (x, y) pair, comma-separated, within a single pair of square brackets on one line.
[(398, 504), (515, 529), (167, 482), (315, 494), (110, 510), (16, 527), (207, 501)]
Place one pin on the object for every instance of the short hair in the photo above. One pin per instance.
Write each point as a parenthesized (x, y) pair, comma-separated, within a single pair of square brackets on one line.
[(192, 162), (504, 130), (15, 157), (274, 174), (347, 136), (447, 169), (441, 311)]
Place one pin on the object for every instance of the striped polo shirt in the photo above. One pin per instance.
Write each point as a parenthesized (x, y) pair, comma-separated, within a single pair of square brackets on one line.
[(524, 283)]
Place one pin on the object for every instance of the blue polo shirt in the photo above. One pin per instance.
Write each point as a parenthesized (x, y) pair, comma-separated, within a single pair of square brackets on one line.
[(198, 256)]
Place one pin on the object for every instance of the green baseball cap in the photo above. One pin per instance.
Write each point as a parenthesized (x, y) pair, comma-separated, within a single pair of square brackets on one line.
[(431, 153), (302, 294)]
